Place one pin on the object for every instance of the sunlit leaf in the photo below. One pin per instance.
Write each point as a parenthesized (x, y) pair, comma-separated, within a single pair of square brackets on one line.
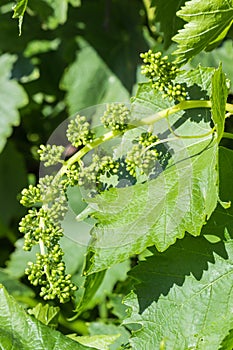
[(208, 21), (178, 200), (20, 331), (183, 297), (19, 10)]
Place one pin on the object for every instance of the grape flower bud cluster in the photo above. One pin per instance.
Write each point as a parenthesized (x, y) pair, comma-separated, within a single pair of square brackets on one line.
[(142, 155), (162, 73), (116, 117), (41, 226)]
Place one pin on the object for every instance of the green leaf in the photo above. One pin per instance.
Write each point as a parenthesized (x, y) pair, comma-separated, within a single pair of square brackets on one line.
[(183, 297), (170, 23), (113, 275), (90, 286), (227, 343), (18, 330), (97, 286), (19, 10), (211, 59), (37, 47), (93, 80), (157, 212), (221, 221), (117, 38), (12, 98), (14, 287), (208, 21), (198, 81), (100, 342), (117, 307), (52, 12), (46, 314), (219, 99), (75, 3), (99, 328), (181, 197)]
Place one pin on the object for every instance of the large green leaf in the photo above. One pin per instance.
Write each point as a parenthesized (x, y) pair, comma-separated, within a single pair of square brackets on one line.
[(208, 21), (88, 82), (12, 98), (183, 297), (18, 330), (157, 212), (190, 257), (178, 200)]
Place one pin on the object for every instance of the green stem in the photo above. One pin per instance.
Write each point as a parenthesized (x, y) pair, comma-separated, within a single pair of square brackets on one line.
[(43, 252), (87, 148), (77, 326), (183, 105), (228, 135)]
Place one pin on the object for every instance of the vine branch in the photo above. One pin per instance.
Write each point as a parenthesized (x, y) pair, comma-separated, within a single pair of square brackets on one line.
[(183, 105)]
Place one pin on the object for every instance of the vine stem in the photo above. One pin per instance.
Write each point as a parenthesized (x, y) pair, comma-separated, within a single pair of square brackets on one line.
[(228, 135), (183, 105), (88, 147)]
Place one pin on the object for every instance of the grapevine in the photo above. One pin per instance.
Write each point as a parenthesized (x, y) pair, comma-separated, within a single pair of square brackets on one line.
[(116, 142), (48, 200)]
